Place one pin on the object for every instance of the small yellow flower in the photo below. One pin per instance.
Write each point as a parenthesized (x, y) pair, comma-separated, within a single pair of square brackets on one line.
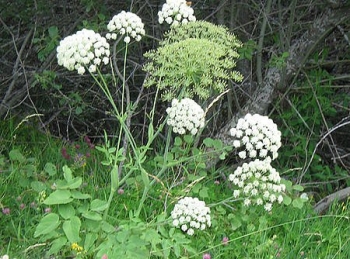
[(76, 247)]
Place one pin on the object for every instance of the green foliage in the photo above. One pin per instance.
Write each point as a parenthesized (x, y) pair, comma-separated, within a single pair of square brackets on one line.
[(310, 113), (47, 42), (279, 61), (247, 50), (204, 30), (196, 59), (46, 79)]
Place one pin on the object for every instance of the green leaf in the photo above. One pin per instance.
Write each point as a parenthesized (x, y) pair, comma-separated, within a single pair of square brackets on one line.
[(208, 142), (235, 221), (114, 178), (58, 197), (151, 236), (53, 32), (66, 211), (92, 215), (29, 170), (98, 205), (298, 203), (72, 228), (90, 239), (16, 155), (38, 186), (50, 168), (57, 244), (223, 156), (67, 173), (73, 184), (47, 224), (78, 110), (145, 178), (217, 144), (203, 193), (150, 131), (177, 141), (166, 247), (298, 188), (106, 227), (287, 200), (80, 196), (188, 139)]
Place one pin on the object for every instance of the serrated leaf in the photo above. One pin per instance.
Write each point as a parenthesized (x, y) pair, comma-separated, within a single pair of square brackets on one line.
[(50, 168), (47, 224), (98, 205), (92, 215), (72, 228), (66, 211), (58, 197)]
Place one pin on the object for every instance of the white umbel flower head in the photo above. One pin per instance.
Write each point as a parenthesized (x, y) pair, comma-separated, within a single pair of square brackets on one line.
[(185, 115), (83, 50), (190, 215), (259, 183), (258, 135), (175, 12), (128, 24)]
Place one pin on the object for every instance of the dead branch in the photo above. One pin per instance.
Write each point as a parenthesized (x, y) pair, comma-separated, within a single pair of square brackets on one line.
[(327, 201)]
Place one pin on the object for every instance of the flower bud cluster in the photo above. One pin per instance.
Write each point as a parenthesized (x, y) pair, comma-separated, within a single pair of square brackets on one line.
[(84, 49), (190, 214), (128, 24), (258, 135), (258, 184), (175, 12), (184, 115)]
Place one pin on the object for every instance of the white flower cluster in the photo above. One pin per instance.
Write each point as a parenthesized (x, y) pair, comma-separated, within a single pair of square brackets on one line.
[(175, 12), (258, 135), (258, 184), (126, 23), (190, 214), (84, 49), (184, 115)]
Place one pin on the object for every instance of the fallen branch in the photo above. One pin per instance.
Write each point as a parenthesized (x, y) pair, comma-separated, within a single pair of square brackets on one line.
[(327, 201)]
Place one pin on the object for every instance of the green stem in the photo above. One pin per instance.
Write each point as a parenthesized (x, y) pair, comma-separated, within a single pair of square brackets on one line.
[(164, 167)]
